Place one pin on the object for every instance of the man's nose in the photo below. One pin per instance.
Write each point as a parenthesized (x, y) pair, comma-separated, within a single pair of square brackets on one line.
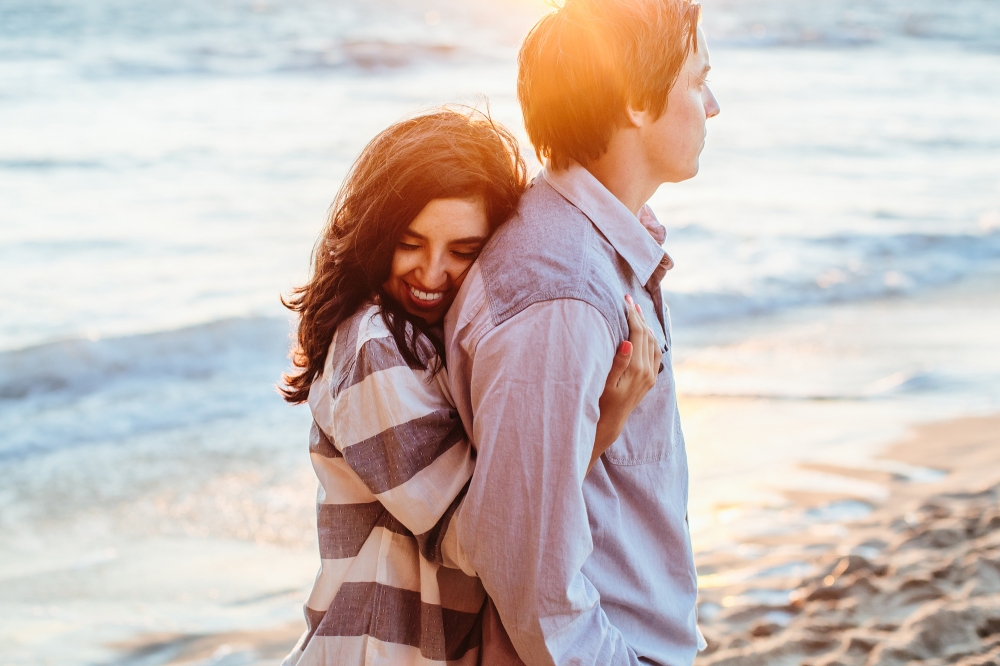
[(711, 104)]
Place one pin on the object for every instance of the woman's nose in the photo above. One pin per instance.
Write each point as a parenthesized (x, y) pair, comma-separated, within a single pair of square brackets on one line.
[(434, 272)]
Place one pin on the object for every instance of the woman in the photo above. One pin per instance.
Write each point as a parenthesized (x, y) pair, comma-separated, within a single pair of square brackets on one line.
[(387, 444)]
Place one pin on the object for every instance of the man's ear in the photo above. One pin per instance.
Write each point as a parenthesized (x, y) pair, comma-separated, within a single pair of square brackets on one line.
[(635, 117)]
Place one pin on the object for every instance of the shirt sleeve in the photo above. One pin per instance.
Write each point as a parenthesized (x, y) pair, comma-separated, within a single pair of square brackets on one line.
[(403, 438), (535, 385)]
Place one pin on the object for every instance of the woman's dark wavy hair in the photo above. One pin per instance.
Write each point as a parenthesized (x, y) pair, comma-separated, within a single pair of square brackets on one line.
[(446, 154)]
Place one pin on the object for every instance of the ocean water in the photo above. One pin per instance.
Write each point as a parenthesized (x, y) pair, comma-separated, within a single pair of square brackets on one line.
[(165, 169)]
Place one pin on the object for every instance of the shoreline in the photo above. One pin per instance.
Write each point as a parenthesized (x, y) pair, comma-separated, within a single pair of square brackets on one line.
[(799, 410)]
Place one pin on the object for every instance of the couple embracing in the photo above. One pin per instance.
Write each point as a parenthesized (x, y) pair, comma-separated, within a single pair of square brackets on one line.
[(502, 472)]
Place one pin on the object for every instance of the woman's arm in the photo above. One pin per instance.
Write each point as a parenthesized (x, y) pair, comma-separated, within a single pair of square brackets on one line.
[(401, 437), (633, 374)]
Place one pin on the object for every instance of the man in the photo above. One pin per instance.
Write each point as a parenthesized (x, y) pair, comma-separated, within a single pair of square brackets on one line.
[(583, 569)]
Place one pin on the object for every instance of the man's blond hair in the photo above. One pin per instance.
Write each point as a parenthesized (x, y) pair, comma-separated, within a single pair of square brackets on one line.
[(582, 65)]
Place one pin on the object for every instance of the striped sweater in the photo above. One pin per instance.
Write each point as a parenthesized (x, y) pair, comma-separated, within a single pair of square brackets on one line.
[(393, 463)]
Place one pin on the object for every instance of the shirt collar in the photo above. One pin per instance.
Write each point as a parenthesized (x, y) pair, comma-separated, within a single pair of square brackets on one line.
[(637, 240)]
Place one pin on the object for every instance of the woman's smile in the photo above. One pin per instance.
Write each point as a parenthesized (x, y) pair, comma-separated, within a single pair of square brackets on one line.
[(425, 298)]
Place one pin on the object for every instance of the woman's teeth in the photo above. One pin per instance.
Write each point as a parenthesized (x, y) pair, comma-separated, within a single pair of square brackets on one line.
[(427, 297)]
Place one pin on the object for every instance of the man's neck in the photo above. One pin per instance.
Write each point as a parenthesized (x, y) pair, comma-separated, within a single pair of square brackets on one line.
[(623, 172)]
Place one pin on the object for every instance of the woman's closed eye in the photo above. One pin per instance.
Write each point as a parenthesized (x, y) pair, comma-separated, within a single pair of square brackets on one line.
[(466, 252), (408, 246)]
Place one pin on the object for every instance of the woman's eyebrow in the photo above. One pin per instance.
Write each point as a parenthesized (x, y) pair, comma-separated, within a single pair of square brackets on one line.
[(457, 241)]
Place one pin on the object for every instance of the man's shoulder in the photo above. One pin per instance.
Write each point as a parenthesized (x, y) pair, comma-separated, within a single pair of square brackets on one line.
[(548, 250), (545, 224)]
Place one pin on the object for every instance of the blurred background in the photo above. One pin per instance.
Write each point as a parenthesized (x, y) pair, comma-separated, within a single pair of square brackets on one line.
[(165, 169)]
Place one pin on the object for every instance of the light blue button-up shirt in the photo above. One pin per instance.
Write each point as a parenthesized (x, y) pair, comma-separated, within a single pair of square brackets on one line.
[(581, 569)]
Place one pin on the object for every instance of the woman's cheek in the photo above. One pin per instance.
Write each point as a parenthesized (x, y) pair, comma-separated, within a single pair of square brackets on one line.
[(403, 262), (397, 262)]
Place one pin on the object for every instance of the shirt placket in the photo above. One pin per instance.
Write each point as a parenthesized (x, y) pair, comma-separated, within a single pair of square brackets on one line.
[(656, 295)]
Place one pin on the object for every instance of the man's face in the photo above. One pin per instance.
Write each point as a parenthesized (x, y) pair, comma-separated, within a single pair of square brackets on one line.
[(673, 142)]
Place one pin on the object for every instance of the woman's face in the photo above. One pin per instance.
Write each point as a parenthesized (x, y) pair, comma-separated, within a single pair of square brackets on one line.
[(434, 254)]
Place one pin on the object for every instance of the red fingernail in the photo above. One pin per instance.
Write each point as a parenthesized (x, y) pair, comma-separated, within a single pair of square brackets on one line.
[(626, 348)]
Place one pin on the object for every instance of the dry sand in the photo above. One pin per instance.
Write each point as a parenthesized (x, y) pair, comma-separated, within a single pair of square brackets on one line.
[(917, 581)]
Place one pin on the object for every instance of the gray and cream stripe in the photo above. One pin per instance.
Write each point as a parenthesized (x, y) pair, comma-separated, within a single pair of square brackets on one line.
[(393, 463)]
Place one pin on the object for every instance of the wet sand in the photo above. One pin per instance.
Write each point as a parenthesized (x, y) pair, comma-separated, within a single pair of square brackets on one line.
[(237, 648), (916, 580)]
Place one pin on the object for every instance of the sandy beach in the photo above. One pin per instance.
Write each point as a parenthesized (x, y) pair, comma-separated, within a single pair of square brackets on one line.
[(917, 580)]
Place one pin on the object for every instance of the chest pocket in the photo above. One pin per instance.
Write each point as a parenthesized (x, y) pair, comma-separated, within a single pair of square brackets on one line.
[(652, 432)]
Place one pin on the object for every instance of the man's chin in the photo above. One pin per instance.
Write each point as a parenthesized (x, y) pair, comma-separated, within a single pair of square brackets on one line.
[(686, 174)]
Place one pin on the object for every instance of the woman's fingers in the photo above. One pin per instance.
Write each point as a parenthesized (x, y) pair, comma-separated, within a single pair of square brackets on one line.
[(637, 334), (657, 362), (635, 306), (620, 364), (646, 355)]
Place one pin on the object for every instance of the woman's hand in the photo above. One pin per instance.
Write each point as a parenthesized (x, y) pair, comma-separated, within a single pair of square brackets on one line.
[(633, 373)]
